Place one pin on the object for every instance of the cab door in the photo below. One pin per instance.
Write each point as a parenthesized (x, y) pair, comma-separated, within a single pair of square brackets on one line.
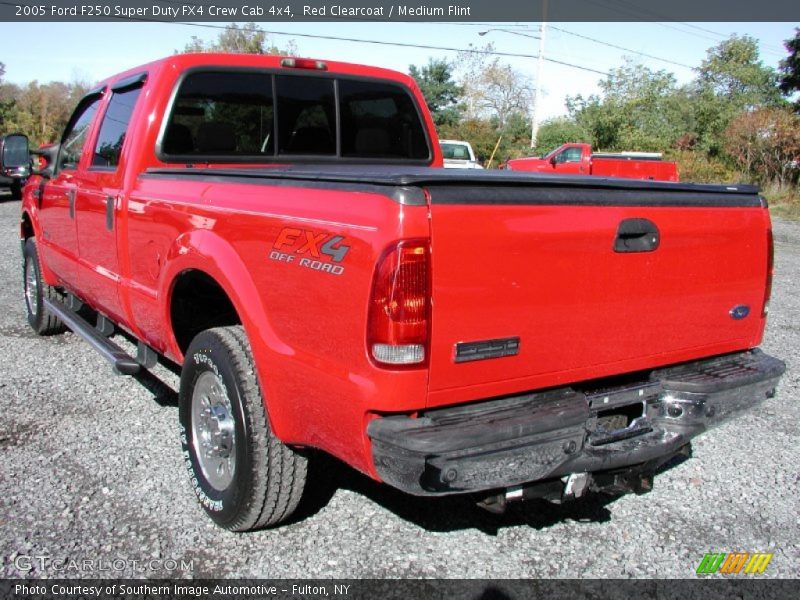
[(59, 243), (99, 197), (570, 160)]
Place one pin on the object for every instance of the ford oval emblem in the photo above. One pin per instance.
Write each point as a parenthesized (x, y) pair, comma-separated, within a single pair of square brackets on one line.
[(740, 312)]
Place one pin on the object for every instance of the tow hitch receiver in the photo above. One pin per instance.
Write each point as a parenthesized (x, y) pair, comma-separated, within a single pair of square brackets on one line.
[(556, 491), (576, 485)]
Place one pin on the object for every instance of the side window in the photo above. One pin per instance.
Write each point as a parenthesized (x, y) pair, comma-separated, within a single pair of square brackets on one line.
[(77, 131), (306, 115), (114, 126), (221, 114), (379, 120), (569, 155)]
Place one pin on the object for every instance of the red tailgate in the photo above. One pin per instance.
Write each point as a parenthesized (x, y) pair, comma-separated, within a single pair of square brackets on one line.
[(549, 275)]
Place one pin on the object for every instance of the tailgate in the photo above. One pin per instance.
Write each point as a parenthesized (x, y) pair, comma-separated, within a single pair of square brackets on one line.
[(541, 266)]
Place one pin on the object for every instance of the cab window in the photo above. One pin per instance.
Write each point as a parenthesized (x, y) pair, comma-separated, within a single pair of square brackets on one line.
[(238, 116), (306, 115), (115, 124), (76, 133), (221, 114), (379, 120), (455, 152), (569, 155)]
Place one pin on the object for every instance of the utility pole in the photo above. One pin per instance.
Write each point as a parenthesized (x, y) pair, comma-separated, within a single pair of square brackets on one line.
[(537, 90)]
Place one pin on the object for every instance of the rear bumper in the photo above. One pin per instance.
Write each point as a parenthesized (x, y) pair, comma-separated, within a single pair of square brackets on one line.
[(518, 440)]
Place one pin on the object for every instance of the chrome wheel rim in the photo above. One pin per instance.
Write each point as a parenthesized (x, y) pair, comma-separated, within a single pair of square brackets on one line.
[(213, 429), (31, 286)]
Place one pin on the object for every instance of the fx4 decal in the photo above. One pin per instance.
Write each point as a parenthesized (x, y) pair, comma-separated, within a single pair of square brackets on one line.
[(319, 251)]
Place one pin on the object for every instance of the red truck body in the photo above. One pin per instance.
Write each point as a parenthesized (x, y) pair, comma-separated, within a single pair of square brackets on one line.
[(578, 159), (453, 266)]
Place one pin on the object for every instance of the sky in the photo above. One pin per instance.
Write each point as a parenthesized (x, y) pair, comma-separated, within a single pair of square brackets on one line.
[(93, 51)]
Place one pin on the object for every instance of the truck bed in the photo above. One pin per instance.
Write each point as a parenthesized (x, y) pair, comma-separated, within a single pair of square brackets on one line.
[(527, 262)]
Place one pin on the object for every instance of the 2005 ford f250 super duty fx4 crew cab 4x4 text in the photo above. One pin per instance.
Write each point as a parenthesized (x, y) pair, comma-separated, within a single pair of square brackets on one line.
[(283, 229)]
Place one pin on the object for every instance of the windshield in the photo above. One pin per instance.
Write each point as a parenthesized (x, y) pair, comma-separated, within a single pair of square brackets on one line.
[(455, 151)]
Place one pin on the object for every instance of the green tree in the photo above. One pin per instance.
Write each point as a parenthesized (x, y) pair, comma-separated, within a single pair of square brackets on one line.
[(790, 69), (730, 80), (558, 131), (441, 92), (7, 103), (245, 39), (639, 109), (733, 70)]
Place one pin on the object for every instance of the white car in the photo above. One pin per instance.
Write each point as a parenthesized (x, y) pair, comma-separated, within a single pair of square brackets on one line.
[(458, 155)]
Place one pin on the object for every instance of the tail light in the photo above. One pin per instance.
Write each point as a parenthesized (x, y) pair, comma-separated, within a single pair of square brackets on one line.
[(399, 310), (770, 269)]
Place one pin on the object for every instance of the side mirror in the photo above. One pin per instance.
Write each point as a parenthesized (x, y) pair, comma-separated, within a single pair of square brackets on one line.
[(47, 160), (553, 161), (15, 158)]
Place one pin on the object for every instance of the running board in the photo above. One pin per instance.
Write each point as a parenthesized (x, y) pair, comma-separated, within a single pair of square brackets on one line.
[(121, 360)]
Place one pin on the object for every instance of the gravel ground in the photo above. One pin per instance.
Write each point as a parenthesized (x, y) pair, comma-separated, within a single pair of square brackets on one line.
[(91, 469)]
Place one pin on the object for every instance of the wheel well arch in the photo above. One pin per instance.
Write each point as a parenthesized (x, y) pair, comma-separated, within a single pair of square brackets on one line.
[(198, 302), (26, 227)]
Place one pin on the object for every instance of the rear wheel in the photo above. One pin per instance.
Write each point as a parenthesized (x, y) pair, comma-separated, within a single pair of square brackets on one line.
[(244, 477), (36, 290)]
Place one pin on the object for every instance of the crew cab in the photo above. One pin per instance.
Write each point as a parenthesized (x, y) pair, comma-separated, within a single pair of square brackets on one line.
[(578, 159), (282, 231)]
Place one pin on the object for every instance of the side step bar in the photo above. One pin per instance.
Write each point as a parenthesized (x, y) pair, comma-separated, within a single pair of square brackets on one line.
[(121, 360)]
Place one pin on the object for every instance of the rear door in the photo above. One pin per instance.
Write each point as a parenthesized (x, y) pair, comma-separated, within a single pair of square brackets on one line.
[(59, 244), (540, 266), (99, 189)]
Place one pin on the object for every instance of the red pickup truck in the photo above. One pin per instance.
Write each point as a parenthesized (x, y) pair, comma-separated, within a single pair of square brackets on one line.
[(578, 159), (282, 231)]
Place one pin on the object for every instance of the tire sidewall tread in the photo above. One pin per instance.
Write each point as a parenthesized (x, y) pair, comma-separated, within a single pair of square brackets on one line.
[(43, 322), (269, 477)]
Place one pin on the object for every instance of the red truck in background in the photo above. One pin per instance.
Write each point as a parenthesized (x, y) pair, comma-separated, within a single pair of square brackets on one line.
[(578, 159), (280, 231)]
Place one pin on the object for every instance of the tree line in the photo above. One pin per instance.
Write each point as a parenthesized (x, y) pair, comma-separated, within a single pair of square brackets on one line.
[(738, 119), (41, 110), (735, 121)]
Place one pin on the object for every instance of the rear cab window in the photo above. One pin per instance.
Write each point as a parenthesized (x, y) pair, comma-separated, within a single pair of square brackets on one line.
[(261, 116)]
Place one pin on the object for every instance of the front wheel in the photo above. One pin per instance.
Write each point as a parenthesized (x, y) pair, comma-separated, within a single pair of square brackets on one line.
[(36, 290), (244, 477)]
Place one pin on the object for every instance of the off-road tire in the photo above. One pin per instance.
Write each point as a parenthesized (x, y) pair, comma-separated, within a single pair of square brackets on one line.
[(268, 477), (36, 290)]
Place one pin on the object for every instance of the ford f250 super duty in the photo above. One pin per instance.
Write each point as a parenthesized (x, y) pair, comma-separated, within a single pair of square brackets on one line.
[(578, 159), (283, 231)]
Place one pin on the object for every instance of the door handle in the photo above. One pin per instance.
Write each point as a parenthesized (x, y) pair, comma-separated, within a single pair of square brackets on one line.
[(637, 235), (71, 198), (110, 212)]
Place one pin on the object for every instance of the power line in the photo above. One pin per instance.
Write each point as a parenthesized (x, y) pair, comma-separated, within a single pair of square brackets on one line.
[(610, 45), (397, 44)]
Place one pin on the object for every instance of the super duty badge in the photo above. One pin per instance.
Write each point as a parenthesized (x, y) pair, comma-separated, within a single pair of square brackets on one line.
[(468, 351)]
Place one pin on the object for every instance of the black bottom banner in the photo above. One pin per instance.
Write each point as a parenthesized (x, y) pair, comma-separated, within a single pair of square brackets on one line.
[(472, 589)]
